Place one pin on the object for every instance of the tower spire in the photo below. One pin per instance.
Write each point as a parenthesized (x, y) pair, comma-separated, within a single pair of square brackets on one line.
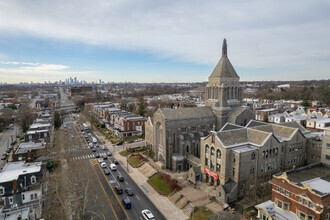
[(224, 47)]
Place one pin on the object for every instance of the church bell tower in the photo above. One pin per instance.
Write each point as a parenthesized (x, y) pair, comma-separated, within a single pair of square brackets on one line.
[(223, 91)]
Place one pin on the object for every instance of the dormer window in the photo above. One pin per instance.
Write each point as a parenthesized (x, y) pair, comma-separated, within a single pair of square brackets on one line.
[(33, 179)]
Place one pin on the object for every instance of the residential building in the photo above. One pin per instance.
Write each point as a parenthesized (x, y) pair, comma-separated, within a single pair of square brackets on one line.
[(28, 151), (325, 154), (263, 114), (318, 124), (22, 185), (277, 118), (302, 193)]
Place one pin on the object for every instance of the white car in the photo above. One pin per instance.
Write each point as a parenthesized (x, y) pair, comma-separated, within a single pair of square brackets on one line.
[(100, 160), (103, 164), (147, 215), (103, 147), (139, 139)]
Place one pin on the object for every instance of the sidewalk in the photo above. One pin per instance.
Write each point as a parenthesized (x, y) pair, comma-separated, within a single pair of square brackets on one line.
[(163, 204)]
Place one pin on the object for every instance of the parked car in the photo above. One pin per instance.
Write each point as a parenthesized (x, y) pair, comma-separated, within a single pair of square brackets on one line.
[(126, 203), (120, 178), (103, 164), (115, 162), (103, 147), (109, 153), (129, 191), (106, 172), (147, 215), (118, 190), (120, 143), (97, 144), (139, 139), (4, 157), (130, 141)]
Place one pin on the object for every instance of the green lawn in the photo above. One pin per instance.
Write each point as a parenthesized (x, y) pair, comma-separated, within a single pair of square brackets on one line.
[(124, 153), (134, 161), (202, 213), (159, 184)]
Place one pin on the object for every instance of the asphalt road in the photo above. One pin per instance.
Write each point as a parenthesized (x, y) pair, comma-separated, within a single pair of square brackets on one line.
[(104, 191), (7, 135), (139, 201)]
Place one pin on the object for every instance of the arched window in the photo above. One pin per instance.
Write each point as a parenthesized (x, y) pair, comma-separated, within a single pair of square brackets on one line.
[(218, 167), (33, 179), (212, 151), (218, 154), (207, 149), (253, 156)]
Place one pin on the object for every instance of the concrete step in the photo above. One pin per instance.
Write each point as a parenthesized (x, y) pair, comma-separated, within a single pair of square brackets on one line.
[(147, 170), (188, 209), (174, 197), (181, 203)]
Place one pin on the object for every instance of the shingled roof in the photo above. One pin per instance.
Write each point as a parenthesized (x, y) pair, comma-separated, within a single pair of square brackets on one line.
[(177, 113), (236, 111), (243, 136), (224, 69), (229, 126), (295, 124), (233, 137)]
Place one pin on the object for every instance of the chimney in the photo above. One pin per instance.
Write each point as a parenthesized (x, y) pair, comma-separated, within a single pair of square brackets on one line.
[(14, 185)]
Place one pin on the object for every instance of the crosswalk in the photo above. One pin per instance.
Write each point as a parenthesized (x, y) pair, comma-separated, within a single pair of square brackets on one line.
[(87, 156)]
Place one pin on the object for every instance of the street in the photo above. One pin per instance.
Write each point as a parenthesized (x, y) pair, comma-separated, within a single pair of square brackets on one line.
[(102, 191)]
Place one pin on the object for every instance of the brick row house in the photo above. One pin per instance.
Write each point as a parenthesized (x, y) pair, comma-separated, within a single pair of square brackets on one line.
[(302, 193), (121, 123)]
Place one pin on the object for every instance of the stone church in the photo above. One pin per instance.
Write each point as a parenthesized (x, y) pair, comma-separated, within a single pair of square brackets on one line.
[(174, 135)]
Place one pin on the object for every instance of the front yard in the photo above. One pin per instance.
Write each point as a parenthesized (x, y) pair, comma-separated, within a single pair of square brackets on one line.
[(202, 213), (163, 183), (160, 185), (134, 161)]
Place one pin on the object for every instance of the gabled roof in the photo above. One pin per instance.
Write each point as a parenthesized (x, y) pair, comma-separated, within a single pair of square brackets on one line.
[(229, 126), (233, 137), (237, 111), (294, 124), (194, 112), (253, 123)]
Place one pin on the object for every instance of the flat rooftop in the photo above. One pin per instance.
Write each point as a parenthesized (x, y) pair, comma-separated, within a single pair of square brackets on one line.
[(317, 176), (308, 173)]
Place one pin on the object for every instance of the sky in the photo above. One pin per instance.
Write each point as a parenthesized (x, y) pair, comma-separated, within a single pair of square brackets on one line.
[(162, 41)]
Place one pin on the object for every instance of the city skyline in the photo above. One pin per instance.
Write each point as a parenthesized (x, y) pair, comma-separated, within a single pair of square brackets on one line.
[(152, 42)]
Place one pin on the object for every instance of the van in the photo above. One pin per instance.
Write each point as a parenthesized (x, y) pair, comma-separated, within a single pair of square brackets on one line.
[(126, 203), (113, 167)]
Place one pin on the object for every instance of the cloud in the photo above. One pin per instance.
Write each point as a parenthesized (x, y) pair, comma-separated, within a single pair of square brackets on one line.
[(260, 34), (36, 71)]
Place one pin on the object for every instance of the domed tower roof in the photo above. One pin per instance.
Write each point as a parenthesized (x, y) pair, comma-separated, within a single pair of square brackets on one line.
[(224, 69)]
